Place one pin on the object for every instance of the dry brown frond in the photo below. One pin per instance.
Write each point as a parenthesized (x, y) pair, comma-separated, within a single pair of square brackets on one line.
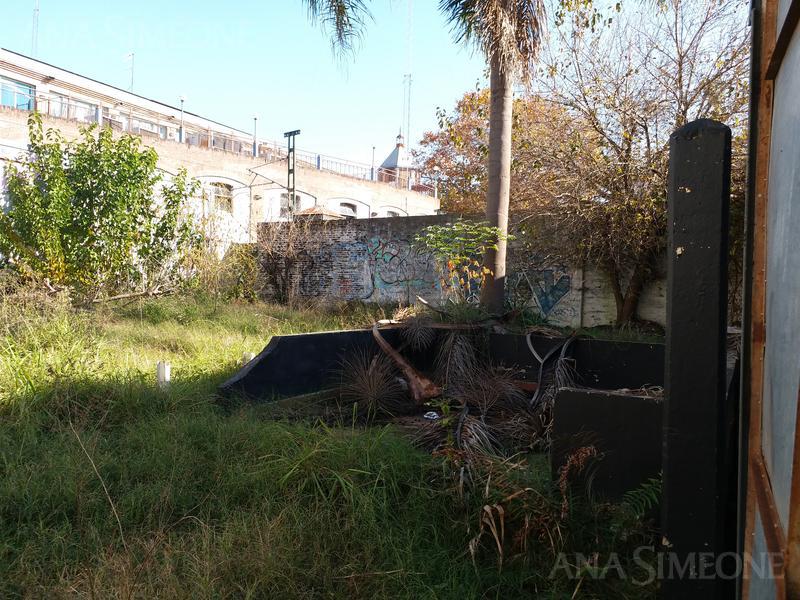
[(417, 331), (576, 463), (456, 361), (491, 390), (371, 382)]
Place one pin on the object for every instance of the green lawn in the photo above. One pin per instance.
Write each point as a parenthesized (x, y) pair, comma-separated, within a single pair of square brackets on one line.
[(112, 489)]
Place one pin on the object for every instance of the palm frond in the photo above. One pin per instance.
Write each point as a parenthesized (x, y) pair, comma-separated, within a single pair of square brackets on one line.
[(370, 383), (511, 31), (344, 19)]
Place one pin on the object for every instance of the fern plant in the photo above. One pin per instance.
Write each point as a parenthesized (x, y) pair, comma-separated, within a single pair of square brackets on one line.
[(640, 501)]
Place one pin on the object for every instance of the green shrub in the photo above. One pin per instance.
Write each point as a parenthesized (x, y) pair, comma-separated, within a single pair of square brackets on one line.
[(94, 215)]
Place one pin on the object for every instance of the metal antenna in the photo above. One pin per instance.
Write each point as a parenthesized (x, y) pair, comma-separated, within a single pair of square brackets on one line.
[(131, 56), (35, 31), (405, 106), (409, 46)]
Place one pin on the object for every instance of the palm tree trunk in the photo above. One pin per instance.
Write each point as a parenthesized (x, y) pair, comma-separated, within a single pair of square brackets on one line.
[(499, 183)]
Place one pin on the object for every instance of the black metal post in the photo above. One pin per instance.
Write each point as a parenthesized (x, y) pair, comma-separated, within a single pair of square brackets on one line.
[(694, 462), (290, 160)]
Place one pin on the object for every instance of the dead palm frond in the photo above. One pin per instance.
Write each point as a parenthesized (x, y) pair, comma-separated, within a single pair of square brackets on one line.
[(370, 382), (490, 390), (475, 436), (456, 361), (417, 332), (430, 436)]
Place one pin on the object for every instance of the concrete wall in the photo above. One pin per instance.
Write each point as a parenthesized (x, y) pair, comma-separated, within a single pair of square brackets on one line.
[(257, 187), (375, 260)]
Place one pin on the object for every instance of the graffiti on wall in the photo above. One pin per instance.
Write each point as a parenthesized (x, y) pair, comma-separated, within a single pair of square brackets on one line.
[(399, 269), (380, 269), (543, 287), (373, 269), (376, 261)]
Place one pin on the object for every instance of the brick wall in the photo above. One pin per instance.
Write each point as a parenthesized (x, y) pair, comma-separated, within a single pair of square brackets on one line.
[(374, 260)]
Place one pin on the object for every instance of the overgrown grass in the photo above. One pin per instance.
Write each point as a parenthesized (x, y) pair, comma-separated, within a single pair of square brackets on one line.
[(110, 488)]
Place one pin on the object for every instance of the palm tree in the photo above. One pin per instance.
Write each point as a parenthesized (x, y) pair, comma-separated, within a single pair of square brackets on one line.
[(509, 34)]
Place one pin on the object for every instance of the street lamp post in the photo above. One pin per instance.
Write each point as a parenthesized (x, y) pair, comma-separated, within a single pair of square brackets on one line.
[(290, 161), (255, 136), (437, 172), (180, 137)]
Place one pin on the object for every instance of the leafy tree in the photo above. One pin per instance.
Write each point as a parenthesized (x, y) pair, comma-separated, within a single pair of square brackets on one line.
[(457, 248), (95, 216), (590, 147), (549, 149), (633, 82), (509, 34)]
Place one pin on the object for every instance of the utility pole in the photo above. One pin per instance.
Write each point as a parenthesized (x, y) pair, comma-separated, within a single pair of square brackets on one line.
[(255, 136), (35, 31), (131, 56), (181, 136), (290, 161), (372, 170)]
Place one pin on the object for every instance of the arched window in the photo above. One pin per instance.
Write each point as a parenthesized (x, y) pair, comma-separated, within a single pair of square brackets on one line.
[(221, 196), (348, 210)]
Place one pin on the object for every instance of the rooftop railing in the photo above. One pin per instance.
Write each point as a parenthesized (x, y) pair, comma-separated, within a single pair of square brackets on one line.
[(150, 125)]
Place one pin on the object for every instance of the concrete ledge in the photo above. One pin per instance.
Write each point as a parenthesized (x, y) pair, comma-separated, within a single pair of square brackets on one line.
[(291, 365), (304, 363)]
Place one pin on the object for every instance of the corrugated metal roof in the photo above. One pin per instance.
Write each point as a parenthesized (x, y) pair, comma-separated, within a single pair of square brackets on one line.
[(318, 211)]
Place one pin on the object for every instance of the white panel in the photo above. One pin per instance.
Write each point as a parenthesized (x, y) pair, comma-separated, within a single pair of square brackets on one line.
[(782, 356)]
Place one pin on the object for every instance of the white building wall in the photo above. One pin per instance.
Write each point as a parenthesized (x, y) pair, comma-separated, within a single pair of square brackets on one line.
[(257, 186), (258, 183)]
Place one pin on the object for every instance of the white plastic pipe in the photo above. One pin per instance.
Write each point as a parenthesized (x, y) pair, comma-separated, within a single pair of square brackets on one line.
[(163, 372)]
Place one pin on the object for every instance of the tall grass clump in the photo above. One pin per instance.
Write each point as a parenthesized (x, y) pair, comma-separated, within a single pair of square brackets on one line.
[(44, 347)]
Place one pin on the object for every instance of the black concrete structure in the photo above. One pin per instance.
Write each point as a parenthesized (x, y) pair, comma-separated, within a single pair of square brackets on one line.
[(624, 428), (697, 489), (601, 364), (291, 365)]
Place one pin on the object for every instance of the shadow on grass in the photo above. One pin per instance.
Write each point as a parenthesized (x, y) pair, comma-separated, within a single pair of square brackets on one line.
[(110, 487), (114, 488)]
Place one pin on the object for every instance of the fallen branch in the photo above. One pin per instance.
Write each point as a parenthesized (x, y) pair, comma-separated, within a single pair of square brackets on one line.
[(147, 293), (433, 324), (421, 387)]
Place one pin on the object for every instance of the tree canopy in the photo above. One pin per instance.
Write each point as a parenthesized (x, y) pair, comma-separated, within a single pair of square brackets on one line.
[(590, 141)]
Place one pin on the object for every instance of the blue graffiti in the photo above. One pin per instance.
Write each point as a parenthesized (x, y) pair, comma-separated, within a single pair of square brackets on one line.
[(549, 289)]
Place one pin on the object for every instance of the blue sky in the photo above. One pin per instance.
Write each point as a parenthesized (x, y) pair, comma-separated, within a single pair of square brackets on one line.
[(238, 58)]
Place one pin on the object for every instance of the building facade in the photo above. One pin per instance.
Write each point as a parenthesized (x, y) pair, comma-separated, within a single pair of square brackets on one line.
[(242, 179)]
